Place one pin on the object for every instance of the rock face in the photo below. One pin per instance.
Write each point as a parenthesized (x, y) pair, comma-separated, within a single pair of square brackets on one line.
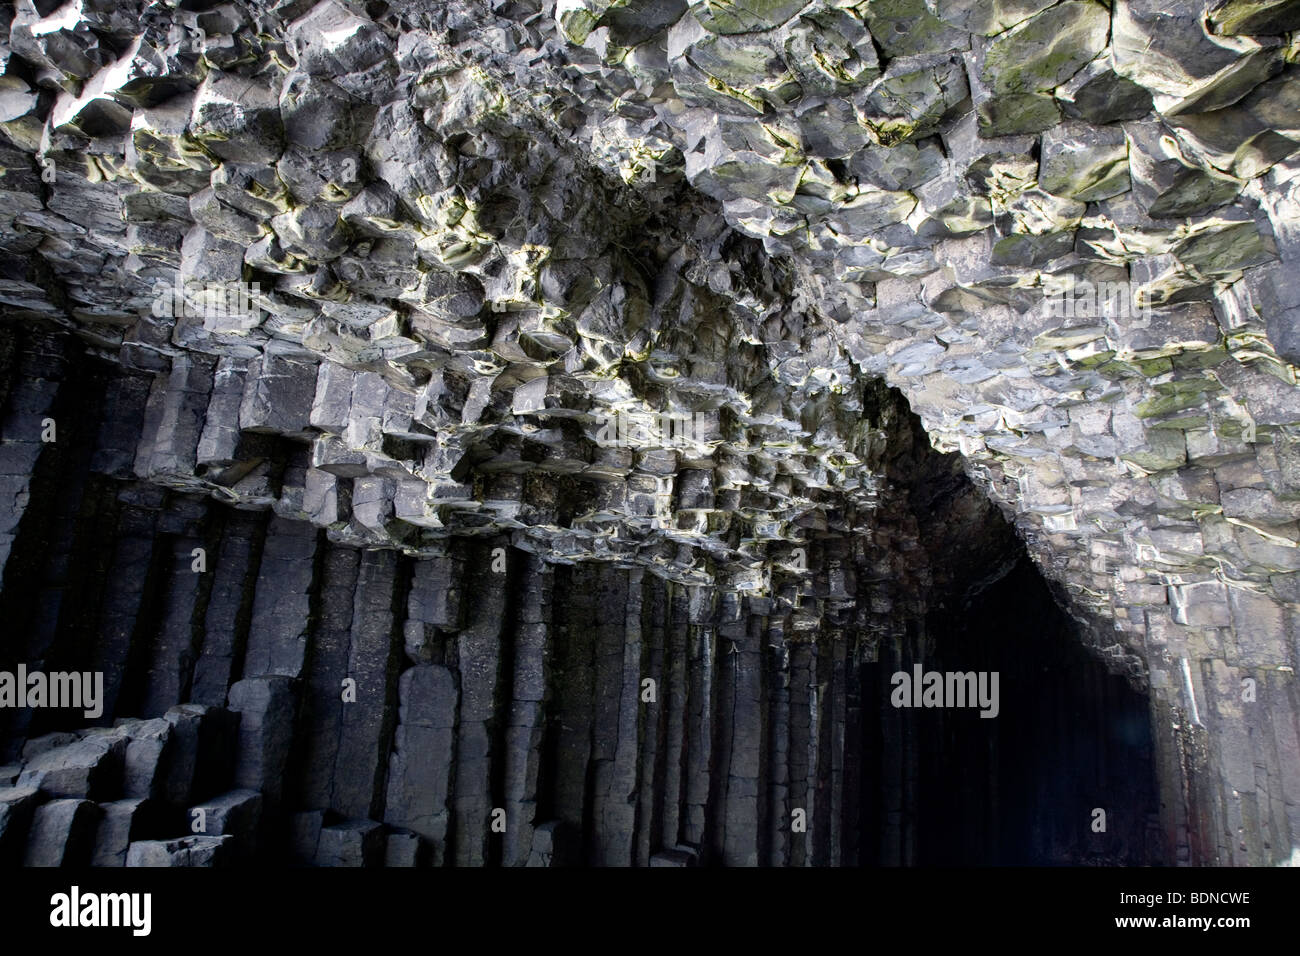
[(389, 392), (469, 702)]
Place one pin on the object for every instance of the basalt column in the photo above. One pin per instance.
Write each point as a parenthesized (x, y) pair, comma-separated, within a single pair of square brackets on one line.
[(540, 433)]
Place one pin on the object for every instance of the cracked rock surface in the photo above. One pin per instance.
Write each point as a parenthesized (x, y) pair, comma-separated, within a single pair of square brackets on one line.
[(617, 281)]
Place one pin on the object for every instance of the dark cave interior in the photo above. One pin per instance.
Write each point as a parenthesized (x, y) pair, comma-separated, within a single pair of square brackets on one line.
[(764, 714), (954, 788)]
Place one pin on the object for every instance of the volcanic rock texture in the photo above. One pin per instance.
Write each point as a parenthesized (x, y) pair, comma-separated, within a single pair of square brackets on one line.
[(434, 580)]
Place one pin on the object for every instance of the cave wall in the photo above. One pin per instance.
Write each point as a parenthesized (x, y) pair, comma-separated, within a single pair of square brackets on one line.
[(471, 232), (487, 678)]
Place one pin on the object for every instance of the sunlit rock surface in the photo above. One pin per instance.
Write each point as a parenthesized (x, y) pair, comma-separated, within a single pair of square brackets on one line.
[(615, 283)]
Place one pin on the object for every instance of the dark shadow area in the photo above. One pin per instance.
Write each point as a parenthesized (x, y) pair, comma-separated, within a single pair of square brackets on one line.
[(942, 785), (1021, 787)]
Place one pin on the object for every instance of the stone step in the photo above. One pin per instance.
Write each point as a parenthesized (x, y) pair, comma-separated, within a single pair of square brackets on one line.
[(90, 768), (123, 822), (237, 814), (267, 707), (352, 843), (62, 834), (18, 805), (204, 851)]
